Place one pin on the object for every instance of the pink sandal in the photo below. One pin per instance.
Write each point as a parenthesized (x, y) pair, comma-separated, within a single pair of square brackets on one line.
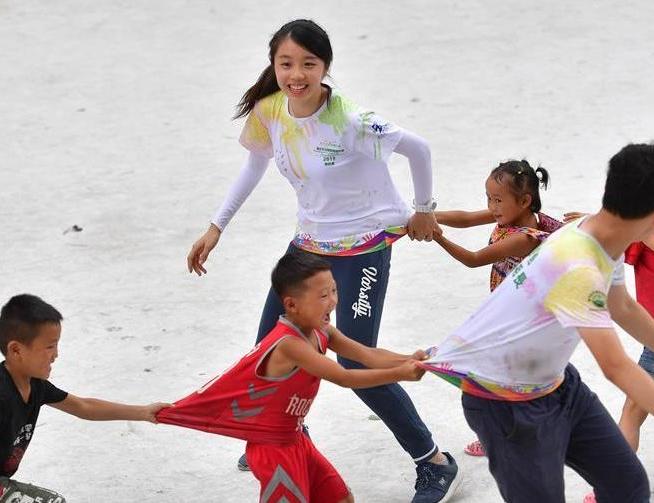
[(590, 497), (475, 449)]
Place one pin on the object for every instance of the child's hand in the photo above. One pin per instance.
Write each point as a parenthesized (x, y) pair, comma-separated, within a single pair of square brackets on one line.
[(572, 215), (439, 238), (150, 411), (411, 371), (420, 355)]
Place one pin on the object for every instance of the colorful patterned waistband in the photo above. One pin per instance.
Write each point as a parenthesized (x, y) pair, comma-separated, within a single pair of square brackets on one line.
[(354, 245), (483, 388)]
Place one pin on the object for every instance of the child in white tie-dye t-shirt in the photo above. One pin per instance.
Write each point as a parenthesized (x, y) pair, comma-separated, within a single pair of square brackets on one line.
[(521, 396)]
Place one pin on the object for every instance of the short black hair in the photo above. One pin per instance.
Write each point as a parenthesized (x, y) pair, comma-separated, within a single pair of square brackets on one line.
[(21, 317), (629, 189), (293, 269)]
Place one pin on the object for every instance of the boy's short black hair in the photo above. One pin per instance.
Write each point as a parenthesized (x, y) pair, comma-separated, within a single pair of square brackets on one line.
[(629, 189), (293, 269), (21, 317)]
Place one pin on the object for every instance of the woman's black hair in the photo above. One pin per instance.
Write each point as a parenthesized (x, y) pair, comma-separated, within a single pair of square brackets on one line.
[(522, 179), (303, 32)]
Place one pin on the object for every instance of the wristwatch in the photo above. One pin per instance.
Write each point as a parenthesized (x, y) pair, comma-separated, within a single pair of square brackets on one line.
[(428, 207)]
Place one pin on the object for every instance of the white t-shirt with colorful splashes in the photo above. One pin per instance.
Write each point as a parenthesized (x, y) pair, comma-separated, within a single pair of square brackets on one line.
[(336, 160), (517, 344)]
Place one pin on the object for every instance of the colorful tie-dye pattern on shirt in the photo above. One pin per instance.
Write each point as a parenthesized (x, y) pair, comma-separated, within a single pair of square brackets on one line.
[(517, 344), (501, 268), (336, 161)]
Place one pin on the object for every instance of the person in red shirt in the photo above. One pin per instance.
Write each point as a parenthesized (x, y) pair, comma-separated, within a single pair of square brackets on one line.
[(641, 256), (264, 397)]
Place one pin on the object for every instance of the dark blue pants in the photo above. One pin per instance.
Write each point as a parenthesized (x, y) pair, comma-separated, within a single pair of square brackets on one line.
[(528, 443), (362, 282)]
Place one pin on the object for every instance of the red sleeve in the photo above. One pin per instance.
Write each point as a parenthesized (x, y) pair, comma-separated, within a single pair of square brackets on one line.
[(633, 252)]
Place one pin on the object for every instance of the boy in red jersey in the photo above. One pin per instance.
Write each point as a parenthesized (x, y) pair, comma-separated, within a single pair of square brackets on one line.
[(264, 398)]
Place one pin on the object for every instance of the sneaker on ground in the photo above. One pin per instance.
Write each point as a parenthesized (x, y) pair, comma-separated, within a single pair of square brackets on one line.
[(436, 483), (474, 449)]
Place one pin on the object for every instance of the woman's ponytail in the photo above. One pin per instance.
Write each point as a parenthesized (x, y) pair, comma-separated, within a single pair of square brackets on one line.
[(265, 85)]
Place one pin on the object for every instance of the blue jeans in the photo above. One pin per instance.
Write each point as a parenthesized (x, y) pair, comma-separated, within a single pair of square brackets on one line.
[(527, 444), (362, 282), (647, 360)]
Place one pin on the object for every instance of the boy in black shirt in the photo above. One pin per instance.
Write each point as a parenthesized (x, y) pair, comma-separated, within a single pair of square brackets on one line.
[(29, 333)]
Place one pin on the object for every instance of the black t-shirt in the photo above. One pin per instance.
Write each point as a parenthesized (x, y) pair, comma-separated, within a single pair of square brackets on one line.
[(17, 418)]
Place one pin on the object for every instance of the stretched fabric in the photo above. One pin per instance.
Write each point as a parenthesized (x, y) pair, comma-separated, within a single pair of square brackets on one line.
[(243, 404)]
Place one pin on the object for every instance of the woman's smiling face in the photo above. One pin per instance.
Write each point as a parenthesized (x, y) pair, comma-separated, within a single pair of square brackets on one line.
[(299, 74)]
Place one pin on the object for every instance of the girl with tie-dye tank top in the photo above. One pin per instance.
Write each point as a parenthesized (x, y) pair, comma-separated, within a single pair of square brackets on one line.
[(512, 192), (335, 156), (545, 225)]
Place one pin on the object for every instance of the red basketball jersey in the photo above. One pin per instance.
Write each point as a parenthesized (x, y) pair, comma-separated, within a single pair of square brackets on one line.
[(244, 404)]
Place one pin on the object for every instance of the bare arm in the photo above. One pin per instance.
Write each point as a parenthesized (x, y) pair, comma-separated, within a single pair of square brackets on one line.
[(373, 358), (94, 409), (618, 367), (304, 356), (461, 219), (631, 316), (572, 215), (517, 245)]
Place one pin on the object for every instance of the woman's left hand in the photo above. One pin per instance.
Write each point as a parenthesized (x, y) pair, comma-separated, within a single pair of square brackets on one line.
[(423, 227)]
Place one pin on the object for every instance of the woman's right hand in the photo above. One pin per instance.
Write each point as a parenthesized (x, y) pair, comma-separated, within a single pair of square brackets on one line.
[(201, 249)]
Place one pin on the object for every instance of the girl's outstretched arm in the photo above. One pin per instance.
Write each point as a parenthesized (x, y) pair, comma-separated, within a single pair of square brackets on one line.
[(517, 245), (460, 219)]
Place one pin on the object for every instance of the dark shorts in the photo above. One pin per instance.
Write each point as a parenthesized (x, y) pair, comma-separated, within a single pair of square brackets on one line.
[(528, 443)]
